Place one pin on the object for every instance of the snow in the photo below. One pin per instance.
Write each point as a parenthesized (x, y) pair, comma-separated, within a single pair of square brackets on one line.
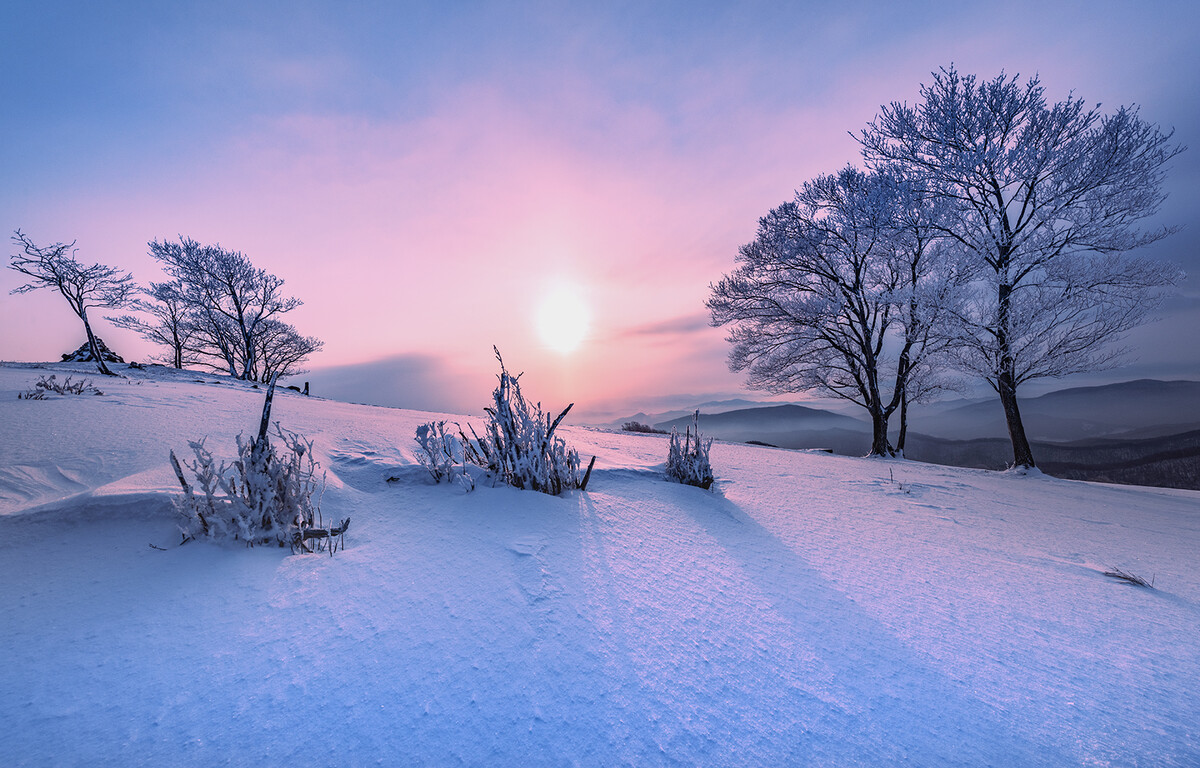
[(814, 610)]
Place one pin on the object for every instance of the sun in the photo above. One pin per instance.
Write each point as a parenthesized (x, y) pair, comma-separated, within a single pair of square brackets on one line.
[(562, 318)]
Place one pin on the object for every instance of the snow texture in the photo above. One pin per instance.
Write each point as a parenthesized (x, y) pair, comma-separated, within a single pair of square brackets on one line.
[(815, 610)]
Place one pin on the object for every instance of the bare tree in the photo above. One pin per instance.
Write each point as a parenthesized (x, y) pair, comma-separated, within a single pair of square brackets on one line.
[(282, 350), (929, 292), (1044, 197), (96, 286), (227, 297), (170, 324), (840, 291)]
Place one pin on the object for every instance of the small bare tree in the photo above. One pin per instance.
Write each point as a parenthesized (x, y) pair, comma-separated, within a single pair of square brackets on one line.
[(84, 287), (169, 325), (282, 351), (1044, 198)]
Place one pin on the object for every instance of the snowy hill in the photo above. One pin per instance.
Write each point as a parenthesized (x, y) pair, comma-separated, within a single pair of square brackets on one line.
[(815, 610), (705, 408), (786, 426)]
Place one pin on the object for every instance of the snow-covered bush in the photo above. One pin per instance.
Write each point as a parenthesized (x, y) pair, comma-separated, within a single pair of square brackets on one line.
[(48, 384), (263, 496), (687, 461), (266, 495), (443, 454), (519, 446)]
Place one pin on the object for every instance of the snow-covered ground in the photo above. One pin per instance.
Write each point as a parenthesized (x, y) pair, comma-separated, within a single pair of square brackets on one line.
[(815, 610)]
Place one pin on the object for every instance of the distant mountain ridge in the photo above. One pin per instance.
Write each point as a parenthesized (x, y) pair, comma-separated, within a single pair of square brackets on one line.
[(1143, 406), (785, 426), (1142, 432), (776, 418), (710, 407)]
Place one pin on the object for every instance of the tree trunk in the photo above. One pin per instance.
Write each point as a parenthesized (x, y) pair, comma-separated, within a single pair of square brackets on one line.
[(1022, 453), (879, 437), (177, 347), (265, 423), (250, 363), (903, 425), (92, 345), (1006, 379)]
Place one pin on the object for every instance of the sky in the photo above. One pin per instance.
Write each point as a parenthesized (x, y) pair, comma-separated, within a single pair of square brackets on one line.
[(435, 179)]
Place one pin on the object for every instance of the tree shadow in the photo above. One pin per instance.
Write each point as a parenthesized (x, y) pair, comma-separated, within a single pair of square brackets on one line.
[(839, 684)]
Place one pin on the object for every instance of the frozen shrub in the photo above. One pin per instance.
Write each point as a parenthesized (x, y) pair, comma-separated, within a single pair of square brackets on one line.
[(637, 426), (443, 454), (48, 384), (267, 495), (519, 446), (687, 461)]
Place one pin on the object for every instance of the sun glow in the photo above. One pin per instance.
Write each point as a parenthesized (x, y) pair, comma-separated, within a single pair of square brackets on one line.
[(562, 318)]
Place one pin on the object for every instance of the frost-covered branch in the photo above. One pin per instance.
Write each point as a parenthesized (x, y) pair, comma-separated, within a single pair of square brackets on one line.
[(519, 445)]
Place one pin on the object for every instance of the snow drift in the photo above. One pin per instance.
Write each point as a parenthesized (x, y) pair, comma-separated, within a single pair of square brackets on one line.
[(811, 610)]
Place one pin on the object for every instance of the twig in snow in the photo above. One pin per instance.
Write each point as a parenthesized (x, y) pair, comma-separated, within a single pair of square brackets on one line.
[(1132, 578)]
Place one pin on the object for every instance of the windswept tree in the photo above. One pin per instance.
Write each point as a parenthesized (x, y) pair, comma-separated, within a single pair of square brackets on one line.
[(168, 323), (230, 301), (84, 287), (840, 292), (1044, 198)]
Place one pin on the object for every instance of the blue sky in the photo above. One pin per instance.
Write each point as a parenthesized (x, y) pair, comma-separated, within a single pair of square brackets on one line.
[(417, 172)]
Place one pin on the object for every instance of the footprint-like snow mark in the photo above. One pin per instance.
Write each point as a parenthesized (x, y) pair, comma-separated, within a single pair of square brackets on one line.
[(533, 578)]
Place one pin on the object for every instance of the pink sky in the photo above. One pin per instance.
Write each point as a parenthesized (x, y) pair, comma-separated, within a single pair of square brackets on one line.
[(627, 161)]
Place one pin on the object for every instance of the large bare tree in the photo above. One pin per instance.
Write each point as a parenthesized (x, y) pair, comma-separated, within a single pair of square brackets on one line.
[(1045, 198), (84, 287)]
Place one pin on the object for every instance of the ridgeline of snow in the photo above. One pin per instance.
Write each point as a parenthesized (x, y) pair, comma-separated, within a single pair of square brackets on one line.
[(815, 610)]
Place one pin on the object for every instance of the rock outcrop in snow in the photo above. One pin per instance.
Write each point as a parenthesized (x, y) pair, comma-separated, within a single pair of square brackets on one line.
[(84, 354)]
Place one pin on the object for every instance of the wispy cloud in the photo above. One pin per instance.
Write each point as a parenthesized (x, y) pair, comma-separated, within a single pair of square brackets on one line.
[(672, 328)]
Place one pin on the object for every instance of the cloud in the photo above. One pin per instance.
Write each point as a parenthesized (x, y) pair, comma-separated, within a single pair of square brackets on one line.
[(672, 327), (417, 382)]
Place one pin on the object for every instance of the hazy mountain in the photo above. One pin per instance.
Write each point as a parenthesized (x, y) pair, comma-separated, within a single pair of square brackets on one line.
[(787, 426), (710, 407), (1144, 432), (1145, 407), (1170, 461)]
